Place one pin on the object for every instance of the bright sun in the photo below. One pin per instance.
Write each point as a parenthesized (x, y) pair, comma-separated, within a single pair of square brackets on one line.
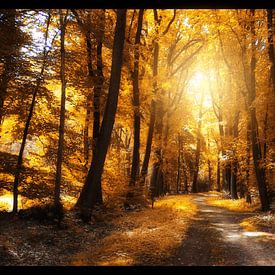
[(198, 85)]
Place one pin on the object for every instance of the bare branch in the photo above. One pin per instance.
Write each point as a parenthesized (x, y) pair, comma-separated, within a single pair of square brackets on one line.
[(186, 60), (170, 23)]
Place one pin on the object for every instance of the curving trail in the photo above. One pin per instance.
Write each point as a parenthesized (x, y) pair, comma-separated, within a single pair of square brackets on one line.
[(216, 238)]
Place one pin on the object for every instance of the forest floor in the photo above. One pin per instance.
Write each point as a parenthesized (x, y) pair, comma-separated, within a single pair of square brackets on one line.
[(179, 230)]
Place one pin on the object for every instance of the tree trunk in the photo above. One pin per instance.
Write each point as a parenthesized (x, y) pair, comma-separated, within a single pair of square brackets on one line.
[(218, 174), (271, 54), (179, 163), (256, 147), (209, 174), (209, 165), (88, 195), (247, 160), (234, 164), (87, 142), (265, 141), (97, 93), (152, 109), (19, 163), (58, 176), (198, 150), (136, 104), (233, 180)]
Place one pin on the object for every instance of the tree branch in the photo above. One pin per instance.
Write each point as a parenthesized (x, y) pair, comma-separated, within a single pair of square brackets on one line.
[(170, 23)]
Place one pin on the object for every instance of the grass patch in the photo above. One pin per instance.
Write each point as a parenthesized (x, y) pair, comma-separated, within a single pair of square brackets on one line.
[(239, 205)]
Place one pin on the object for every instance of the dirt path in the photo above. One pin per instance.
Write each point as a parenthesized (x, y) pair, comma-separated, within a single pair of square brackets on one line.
[(216, 238), (181, 230)]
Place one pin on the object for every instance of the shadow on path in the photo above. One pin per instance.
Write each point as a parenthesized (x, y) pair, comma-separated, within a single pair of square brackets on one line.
[(216, 238)]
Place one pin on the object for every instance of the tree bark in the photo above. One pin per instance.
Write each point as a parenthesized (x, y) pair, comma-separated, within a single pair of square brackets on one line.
[(234, 164), (19, 163), (198, 151), (58, 176), (97, 93), (136, 104), (145, 164), (88, 196), (218, 174), (256, 147), (271, 54), (179, 163)]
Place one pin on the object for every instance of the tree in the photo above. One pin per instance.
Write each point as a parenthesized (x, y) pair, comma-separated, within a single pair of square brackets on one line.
[(256, 146), (271, 54), (136, 104), (87, 197), (12, 40), (145, 163), (198, 148), (58, 177), (28, 121)]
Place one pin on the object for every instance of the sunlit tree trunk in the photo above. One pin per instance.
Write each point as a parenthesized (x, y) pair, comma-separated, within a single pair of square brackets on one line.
[(209, 165), (19, 163), (234, 164), (58, 176), (135, 78), (145, 163), (179, 163), (256, 146), (218, 174), (271, 54), (198, 150), (247, 160), (88, 196)]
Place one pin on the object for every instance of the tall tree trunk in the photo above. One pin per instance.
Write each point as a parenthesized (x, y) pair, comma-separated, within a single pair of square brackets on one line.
[(99, 80), (19, 163), (209, 165), (209, 174), (179, 163), (88, 195), (256, 147), (271, 54), (218, 174), (135, 78), (247, 160), (198, 151), (87, 141), (265, 141), (97, 93), (234, 164), (96, 80), (145, 163), (233, 180), (58, 176)]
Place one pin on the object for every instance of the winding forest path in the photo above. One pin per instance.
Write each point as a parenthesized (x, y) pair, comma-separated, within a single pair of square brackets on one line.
[(215, 237), (181, 230)]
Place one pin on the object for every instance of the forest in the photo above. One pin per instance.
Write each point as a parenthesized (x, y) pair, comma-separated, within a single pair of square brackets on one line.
[(137, 137)]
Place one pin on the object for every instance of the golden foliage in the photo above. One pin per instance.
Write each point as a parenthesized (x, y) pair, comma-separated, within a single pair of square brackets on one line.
[(148, 234), (234, 205)]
